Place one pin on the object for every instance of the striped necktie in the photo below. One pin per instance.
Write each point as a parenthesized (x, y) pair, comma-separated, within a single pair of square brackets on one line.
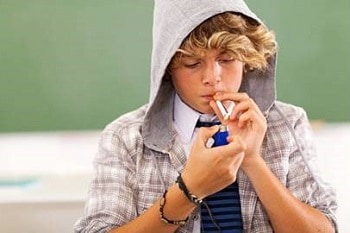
[(221, 212)]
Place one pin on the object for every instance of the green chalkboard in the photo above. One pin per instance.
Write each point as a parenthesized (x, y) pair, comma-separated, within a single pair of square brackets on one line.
[(314, 54), (78, 64)]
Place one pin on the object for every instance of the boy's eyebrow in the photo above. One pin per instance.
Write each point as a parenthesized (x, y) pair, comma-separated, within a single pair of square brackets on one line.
[(223, 52), (191, 56), (186, 54)]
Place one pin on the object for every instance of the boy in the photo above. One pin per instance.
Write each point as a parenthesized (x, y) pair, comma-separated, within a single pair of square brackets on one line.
[(155, 171)]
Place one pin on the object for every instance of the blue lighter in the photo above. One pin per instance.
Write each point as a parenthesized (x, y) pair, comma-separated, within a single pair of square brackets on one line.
[(220, 137)]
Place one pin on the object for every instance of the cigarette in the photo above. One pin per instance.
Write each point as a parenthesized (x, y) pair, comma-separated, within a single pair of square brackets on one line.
[(225, 113), (229, 110), (221, 107)]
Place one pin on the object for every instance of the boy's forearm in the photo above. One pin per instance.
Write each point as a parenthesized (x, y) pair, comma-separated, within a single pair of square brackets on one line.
[(177, 207), (286, 213)]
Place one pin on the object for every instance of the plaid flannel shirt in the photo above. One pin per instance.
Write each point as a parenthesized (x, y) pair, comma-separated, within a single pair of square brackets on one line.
[(130, 177)]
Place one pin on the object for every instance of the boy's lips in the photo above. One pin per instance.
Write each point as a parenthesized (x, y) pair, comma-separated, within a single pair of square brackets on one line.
[(208, 97)]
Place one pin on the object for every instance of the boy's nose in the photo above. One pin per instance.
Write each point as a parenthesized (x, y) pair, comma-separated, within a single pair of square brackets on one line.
[(212, 74)]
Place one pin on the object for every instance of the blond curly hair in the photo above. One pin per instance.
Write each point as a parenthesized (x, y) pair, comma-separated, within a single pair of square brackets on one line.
[(244, 38)]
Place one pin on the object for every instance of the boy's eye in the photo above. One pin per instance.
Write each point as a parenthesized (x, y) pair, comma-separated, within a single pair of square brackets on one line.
[(226, 59), (191, 62), (191, 65)]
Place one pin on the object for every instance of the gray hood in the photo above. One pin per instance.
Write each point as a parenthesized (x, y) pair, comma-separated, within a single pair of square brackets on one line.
[(173, 21)]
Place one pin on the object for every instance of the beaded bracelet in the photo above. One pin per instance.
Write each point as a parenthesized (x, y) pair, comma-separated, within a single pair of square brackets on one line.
[(165, 219), (182, 186)]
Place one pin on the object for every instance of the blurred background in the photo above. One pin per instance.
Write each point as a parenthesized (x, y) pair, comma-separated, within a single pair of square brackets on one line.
[(67, 68)]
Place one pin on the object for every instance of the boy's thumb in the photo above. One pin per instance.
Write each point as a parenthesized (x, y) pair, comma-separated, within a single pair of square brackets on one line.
[(207, 132)]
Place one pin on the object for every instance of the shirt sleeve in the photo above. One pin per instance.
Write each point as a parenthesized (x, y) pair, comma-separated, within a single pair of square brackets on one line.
[(112, 196), (304, 179)]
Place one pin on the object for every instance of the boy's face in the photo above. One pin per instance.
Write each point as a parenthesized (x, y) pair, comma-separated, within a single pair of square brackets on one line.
[(197, 79)]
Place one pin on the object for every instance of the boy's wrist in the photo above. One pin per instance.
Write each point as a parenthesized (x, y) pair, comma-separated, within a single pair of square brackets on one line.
[(189, 195), (251, 162), (164, 218), (192, 186), (177, 206)]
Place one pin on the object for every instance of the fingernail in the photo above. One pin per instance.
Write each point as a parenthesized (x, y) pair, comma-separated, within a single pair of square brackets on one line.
[(210, 142)]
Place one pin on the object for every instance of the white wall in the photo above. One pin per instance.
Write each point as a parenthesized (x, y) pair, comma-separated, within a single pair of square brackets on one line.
[(50, 174), (333, 144), (45, 178)]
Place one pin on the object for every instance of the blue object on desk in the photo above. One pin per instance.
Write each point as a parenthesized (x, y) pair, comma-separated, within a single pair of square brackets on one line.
[(18, 182)]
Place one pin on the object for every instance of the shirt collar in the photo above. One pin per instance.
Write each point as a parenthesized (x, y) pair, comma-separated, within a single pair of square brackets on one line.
[(185, 119)]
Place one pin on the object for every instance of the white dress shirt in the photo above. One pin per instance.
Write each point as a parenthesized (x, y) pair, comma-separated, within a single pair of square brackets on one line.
[(185, 119)]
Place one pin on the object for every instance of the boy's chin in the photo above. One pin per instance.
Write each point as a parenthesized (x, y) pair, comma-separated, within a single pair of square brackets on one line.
[(206, 111), (202, 109)]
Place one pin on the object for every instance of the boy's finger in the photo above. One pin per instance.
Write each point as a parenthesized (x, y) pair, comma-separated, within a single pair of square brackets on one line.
[(207, 132)]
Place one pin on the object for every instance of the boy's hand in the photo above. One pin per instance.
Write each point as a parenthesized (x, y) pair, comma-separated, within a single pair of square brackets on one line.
[(208, 170), (246, 122)]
